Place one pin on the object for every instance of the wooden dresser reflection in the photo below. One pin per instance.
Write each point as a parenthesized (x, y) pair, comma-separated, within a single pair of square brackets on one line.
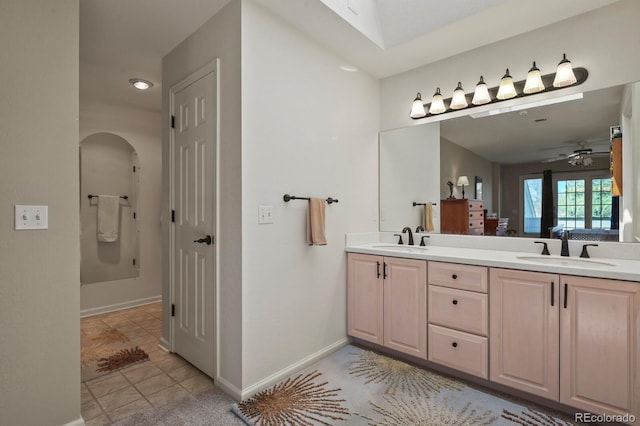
[(462, 216)]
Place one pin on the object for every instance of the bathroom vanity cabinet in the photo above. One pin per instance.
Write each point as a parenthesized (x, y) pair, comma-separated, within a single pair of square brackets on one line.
[(599, 357), (525, 330), (566, 338), (387, 302), (365, 297), (458, 317)]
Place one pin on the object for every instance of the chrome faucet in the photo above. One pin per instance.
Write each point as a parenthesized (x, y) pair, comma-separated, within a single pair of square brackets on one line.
[(565, 243), (407, 229)]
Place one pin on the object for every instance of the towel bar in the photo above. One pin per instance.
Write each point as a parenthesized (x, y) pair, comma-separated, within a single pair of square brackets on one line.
[(423, 204), (288, 198), (125, 197)]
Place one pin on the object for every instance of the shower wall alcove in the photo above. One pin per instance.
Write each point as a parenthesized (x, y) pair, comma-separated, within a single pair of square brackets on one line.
[(108, 167)]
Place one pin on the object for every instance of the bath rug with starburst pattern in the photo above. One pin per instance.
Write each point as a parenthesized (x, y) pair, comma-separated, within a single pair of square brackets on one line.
[(356, 386), (105, 351)]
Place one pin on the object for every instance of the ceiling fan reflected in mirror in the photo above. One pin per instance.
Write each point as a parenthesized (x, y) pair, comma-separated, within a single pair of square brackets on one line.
[(582, 156)]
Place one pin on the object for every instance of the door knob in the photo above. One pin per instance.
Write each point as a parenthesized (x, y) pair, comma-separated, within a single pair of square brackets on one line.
[(206, 240)]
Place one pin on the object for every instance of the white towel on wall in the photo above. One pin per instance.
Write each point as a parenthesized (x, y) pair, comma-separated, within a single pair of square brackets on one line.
[(108, 218)]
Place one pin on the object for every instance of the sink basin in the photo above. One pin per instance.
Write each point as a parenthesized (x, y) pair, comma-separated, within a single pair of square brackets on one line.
[(566, 261), (402, 248)]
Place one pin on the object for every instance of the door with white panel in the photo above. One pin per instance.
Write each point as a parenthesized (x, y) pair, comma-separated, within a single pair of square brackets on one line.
[(194, 197)]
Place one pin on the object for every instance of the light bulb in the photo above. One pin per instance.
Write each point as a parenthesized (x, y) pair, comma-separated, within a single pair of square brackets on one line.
[(481, 95), (437, 103), (564, 73), (417, 109), (534, 82), (459, 99), (506, 89)]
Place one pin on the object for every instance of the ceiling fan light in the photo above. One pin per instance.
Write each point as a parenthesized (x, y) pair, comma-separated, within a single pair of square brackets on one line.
[(481, 94), (506, 89), (417, 109), (564, 73), (459, 99), (437, 103), (534, 82)]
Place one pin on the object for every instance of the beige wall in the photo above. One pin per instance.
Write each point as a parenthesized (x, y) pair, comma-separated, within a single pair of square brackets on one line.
[(218, 38), (456, 161), (308, 129), (142, 129), (39, 270)]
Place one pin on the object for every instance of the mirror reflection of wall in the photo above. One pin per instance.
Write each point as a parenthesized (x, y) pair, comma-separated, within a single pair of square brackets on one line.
[(107, 164), (456, 161), (409, 172), (503, 148)]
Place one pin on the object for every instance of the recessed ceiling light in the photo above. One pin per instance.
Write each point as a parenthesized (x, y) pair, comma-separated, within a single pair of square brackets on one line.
[(349, 68), (140, 84)]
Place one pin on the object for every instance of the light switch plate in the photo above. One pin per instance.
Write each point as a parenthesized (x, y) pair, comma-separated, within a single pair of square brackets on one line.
[(265, 214), (31, 217)]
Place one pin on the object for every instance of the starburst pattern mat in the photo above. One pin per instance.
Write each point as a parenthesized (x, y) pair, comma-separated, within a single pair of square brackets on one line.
[(356, 386), (105, 351)]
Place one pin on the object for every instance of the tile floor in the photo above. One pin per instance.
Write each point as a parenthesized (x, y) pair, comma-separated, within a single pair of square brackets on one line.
[(164, 378)]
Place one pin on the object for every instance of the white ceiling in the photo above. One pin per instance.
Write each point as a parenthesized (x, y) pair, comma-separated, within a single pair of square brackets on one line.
[(121, 39), (405, 20)]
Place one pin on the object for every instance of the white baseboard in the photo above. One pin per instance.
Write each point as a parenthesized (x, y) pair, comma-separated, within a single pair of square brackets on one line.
[(164, 345), (77, 422), (119, 306), (292, 369), (229, 388)]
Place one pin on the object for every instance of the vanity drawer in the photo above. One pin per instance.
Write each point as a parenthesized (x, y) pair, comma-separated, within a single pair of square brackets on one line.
[(464, 277), (463, 310), (462, 351), (476, 205)]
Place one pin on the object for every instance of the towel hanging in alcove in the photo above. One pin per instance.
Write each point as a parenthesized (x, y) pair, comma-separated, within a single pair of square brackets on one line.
[(108, 218)]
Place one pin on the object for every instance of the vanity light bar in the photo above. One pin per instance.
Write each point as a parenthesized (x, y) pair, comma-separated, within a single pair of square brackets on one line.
[(581, 75)]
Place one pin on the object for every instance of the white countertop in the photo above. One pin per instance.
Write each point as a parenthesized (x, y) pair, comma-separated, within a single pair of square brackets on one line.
[(621, 269)]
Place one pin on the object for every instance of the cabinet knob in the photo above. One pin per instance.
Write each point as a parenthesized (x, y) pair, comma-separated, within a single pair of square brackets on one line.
[(454, 344), (455, 302), (454, 276)]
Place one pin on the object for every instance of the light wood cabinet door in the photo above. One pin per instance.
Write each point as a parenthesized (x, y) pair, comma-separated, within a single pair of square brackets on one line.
[(524, 331), (405, 306), (365, 297), (599, 357)]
